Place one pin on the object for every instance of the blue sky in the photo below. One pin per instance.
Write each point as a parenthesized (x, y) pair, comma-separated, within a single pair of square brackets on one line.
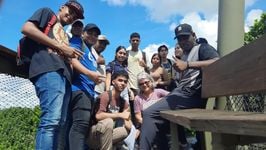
[(155, 20)]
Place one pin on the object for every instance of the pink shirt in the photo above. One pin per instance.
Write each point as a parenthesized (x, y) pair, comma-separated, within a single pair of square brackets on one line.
[(141, 102)]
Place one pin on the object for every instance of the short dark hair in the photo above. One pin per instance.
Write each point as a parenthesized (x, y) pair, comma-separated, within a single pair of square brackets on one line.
[(78, 23), (162, 46), (119, 73), (134, 34), (91, 26)]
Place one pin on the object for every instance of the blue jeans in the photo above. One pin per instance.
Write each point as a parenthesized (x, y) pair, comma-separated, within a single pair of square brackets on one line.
[(54, 93)]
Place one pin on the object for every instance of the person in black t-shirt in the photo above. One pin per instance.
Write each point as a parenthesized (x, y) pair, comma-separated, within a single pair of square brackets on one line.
[(187, 94), (50, 70)]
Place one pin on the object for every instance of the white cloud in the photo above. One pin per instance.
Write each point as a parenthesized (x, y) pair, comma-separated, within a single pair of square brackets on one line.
[(251, 17), (158, 11), (202, 15), (115, 2), (249, 3), (165, 10), (173, 26), (152, 48)]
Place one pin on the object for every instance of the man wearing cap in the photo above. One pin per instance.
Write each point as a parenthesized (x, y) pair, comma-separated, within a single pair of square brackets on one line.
[(76, 31), (187, 94), (84, 80), (50, 70), (99, 47)]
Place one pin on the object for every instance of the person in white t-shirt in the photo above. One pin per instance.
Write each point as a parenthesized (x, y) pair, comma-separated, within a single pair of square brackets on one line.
[(136, 61)]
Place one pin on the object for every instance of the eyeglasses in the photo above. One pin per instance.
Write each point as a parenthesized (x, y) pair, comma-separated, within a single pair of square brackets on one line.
[(145, 82)]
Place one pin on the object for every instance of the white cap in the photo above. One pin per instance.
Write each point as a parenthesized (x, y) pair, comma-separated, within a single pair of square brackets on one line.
[(103, 38)]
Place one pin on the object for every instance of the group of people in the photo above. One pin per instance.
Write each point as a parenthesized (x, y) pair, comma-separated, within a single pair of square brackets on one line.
[(86, 104)]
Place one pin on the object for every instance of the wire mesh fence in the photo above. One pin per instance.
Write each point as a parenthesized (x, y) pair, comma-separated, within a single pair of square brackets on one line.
[(16, 92), (248, 103), (19, 115)]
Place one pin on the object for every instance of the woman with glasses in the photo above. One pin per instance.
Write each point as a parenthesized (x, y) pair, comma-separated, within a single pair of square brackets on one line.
[(147, 96)]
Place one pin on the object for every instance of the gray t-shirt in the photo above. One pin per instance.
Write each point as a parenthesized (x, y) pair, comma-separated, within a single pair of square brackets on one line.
[(191, 79)]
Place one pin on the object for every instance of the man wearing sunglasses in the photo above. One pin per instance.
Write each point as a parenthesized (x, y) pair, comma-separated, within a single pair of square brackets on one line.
[(187, 94)]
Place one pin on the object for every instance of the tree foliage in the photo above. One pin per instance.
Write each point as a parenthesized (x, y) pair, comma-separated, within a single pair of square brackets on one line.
[(257, 30), (18, 128)]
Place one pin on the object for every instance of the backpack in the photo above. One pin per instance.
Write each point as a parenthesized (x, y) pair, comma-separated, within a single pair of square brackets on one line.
[(172, 85), (96, 106), (25, 50)]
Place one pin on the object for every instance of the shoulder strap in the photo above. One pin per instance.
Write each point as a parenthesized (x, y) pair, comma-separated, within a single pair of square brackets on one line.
[(46, 31), (170, 62), (144, 57), (122, 104), (50, 24), (110, 97)]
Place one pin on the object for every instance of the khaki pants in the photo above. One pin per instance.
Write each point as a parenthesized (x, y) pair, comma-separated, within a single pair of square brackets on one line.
[(102, 135)]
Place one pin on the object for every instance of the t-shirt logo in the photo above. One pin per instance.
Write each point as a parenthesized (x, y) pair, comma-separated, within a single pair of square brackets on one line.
[(60, 34)]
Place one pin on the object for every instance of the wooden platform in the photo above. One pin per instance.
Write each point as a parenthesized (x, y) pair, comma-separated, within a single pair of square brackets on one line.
[(218, 121)]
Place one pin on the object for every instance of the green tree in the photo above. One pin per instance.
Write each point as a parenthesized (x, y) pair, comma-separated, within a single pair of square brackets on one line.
[(18, 128), (257, 30)]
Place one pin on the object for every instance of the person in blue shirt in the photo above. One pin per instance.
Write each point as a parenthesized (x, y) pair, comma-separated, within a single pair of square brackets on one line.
[(76, 39), (84, 79)]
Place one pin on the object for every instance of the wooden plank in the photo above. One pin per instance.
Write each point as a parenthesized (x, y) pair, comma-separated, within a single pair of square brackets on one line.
[(241, 123), (242, 71)]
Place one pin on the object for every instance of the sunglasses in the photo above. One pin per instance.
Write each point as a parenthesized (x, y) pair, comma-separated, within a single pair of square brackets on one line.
[(146, 82)]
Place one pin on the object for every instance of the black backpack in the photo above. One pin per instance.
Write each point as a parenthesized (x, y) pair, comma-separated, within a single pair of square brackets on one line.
[(96, 106), (172, 85), (25, 50)]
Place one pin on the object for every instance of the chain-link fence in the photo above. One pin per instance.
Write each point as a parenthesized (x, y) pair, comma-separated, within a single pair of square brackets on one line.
[(16, 92), (248, 103), (19, 115)]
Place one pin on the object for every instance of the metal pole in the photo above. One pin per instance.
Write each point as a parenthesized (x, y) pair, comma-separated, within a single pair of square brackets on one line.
[(230, 38), (230, 31)]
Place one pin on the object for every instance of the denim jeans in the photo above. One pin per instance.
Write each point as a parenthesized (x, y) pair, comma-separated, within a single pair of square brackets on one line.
[(54, 92)]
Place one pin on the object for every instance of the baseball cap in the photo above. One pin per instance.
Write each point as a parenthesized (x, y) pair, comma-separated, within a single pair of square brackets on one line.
[(183, 29), (78, 23), (103, 38), (77, 7), (134, 34), (90, 26)]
